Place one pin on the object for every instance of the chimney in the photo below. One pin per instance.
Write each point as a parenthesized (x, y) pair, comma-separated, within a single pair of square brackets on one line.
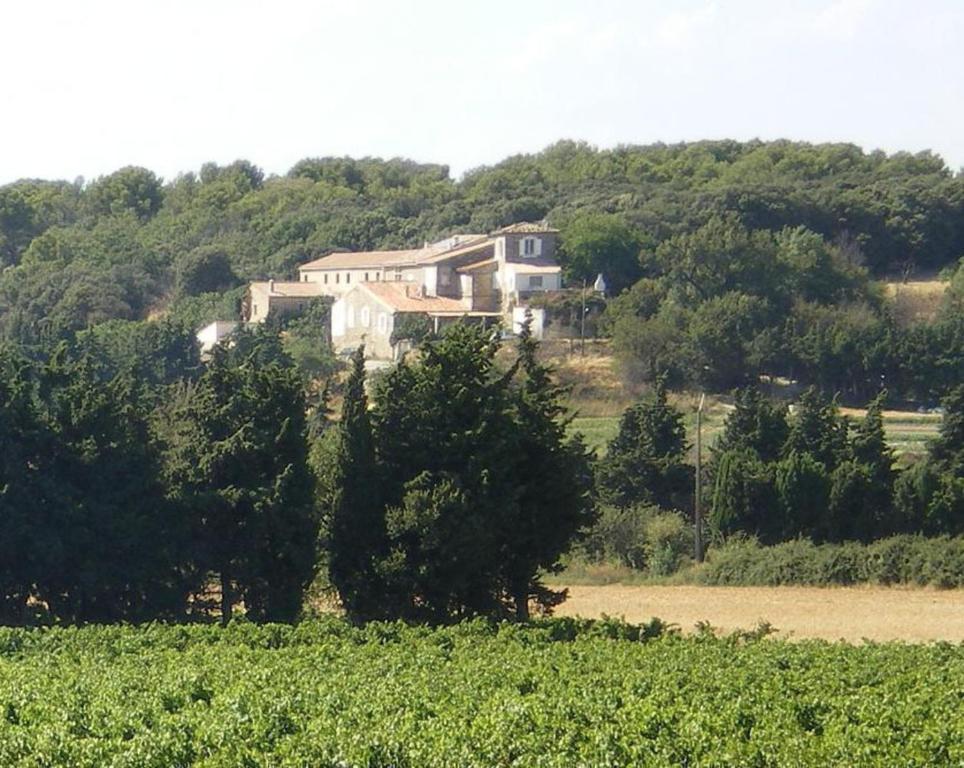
[(271, 285)]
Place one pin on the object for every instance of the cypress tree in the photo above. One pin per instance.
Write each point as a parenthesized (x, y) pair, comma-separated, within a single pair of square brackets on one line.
[(554, 477), (356, 524), (644, 462)]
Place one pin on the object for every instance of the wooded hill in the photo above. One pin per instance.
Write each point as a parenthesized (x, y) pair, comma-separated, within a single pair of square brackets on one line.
[(131, 246)]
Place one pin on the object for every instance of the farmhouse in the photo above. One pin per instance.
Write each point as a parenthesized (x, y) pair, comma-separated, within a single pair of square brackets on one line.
[(481, 277)]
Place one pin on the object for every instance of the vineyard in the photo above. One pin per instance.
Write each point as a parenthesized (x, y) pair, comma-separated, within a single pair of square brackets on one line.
[(556, 693)]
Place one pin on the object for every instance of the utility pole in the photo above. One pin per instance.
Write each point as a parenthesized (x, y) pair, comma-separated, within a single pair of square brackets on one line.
[(582, 322), (697, 504)]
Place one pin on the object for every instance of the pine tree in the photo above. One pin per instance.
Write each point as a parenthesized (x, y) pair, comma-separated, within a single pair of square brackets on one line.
[(644, 462)]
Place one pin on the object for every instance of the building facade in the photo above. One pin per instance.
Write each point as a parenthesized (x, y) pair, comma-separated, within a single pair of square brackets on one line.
[(486, 277)]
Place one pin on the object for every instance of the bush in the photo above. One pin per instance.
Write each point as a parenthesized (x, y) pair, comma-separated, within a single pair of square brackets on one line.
[(642, 538), (915, 560)]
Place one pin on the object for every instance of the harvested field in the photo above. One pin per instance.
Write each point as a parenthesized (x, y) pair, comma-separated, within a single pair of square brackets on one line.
[(837, 613)]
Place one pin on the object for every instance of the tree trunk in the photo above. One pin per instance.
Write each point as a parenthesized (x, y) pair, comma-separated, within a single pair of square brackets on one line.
[(227, 598), (522, 603)]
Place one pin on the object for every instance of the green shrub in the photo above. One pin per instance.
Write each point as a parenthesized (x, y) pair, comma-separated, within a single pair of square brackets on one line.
[(905, 559), (641, 538)]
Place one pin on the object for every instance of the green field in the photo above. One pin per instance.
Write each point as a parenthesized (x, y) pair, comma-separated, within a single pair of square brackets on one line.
[(561, 693), (907, 432)]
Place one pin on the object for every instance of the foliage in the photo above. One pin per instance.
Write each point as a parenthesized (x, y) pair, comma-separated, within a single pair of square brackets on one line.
[(785, 232), (236, 459), (560, 692), (908, 560), (601, 243), (459, 488), (644, 462)]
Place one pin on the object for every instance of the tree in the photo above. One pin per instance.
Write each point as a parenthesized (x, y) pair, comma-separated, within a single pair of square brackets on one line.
[(129, 190), (356, 525), (644, 462), (947, 451), (744, 497), (461, 488), (720, 336), (817, 429), (803, 489), (554, 477), (445, 434), (237, 459), (601, 243), (21, 486), (754, 424), (875, 458), (106, 543), (206, 269)]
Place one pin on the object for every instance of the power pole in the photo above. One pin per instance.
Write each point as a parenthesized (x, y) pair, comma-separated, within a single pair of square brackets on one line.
[(582, 322), (697, 504)]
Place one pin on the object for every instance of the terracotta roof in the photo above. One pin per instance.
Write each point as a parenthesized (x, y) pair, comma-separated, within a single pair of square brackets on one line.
[(478, 265), (403, 297), (525, 228), (535, 266), (362, 259), (293, 290)]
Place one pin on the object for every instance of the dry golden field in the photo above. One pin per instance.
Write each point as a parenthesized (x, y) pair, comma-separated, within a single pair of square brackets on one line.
[(830, 613)]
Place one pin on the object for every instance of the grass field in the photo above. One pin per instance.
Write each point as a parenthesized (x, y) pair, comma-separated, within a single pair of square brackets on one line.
[(907, 431), (828, 613)]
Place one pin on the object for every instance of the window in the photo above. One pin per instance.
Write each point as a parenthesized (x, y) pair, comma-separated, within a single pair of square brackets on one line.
[(495, 281), (378, 276), (326, 279), (348, 277), (304, 277), (337, 278), (366, 317), (366, 277), (535, 281), (398, 275), (444, 276), (382, 323), (529, 246)]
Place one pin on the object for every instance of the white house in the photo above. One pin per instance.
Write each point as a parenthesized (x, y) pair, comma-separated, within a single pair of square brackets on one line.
[(213, 334), (465, 275)]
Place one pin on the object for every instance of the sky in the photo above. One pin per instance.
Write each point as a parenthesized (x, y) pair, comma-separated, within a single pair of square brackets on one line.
[(89, 87)]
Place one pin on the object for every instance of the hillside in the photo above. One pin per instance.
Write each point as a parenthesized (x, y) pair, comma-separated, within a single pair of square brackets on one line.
[(130, 243)]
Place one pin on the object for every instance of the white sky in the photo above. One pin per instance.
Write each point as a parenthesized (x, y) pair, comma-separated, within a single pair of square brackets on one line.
[(88, 87)]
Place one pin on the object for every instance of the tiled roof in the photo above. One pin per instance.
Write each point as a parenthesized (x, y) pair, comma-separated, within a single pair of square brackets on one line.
[(403, 297), (362, 259), (429, 254), (525, 228), (293, 290)]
